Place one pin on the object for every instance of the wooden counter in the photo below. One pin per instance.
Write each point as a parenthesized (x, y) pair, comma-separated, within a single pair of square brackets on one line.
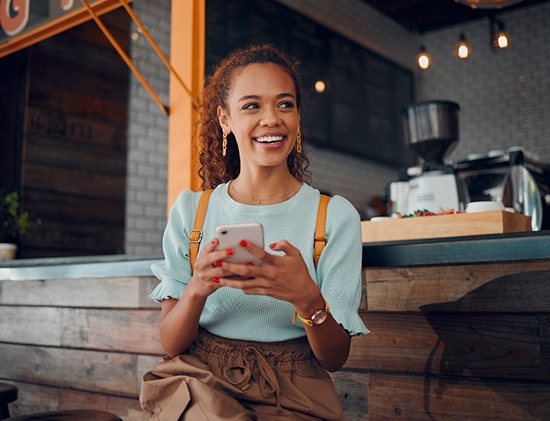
[(460, 329)]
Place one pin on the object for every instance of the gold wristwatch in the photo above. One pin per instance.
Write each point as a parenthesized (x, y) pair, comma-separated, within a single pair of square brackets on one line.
[(318, 317)]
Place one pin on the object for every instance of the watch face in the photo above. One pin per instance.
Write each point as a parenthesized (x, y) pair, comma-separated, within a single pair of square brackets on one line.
[(319, 317)]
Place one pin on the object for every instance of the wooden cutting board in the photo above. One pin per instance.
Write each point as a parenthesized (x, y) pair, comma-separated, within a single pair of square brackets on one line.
[(440, 226)]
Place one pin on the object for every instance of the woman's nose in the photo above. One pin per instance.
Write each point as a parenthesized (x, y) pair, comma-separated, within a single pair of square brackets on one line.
[(270, 117)]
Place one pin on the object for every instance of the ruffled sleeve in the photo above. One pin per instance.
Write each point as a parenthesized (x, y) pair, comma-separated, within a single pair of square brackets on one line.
[(174, 271), (340, 266)]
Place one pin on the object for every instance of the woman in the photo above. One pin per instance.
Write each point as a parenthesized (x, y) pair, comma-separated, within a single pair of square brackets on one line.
[(233, 350)]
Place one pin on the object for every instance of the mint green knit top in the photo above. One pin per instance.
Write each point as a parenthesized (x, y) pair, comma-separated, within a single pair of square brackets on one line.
[(229, 312)]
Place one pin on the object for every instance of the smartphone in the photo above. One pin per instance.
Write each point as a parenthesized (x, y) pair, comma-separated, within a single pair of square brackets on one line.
[(230, 236)]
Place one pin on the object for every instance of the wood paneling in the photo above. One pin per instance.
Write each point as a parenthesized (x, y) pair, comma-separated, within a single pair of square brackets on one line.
[(506, 346), (486, 287), (115, 293), (393, 396), (37, 398), (74, 169), (446, 343), (455, 342), (78, 343)]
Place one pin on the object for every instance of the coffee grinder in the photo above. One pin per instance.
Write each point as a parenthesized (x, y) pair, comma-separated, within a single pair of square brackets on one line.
[(431, 132)]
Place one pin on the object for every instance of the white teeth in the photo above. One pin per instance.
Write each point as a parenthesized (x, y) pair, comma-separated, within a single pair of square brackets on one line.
[(269, 139)]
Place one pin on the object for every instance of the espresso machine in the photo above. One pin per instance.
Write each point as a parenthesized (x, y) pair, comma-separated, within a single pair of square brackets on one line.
[(514, 177), (431, 132)]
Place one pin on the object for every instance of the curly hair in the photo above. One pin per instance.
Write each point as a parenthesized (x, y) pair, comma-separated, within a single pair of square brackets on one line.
[(214, 168)]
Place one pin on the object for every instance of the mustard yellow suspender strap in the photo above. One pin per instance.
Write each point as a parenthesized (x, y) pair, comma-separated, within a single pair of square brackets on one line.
[(321, 228), (195, 236)]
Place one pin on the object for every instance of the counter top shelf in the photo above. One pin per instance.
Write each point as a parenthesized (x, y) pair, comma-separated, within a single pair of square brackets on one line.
[(508, 247)]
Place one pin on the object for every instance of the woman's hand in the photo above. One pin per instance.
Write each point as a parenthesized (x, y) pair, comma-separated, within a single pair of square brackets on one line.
[(207, 270), (287, 278), (283, 277), (180, 318)]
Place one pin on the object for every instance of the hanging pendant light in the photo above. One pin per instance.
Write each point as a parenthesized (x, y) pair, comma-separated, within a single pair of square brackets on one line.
[(463, 49), (488, 4), (500, 39), (423, 59)]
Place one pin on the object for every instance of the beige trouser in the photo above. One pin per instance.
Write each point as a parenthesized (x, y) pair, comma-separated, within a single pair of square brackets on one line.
[(225, 379)]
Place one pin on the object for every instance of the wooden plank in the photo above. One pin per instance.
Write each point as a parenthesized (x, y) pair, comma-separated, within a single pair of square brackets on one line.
[(85, 210), (31, 325), (50, 125), (518, 286), (124, 292), (499, 346), (46, 96), (75, 142), (444, 226), (352, 389), (428, 398), (135, 331), (73, 238), (40, 398), (73, 181), (93, 371), (70, 72)]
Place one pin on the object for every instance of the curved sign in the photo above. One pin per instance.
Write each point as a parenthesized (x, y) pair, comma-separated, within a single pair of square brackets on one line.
[(23, 23)]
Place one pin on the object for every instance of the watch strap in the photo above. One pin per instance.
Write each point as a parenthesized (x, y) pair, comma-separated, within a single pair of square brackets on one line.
[(310, 321)]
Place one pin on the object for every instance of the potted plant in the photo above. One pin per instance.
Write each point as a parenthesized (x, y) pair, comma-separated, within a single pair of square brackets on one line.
[(13, 224)]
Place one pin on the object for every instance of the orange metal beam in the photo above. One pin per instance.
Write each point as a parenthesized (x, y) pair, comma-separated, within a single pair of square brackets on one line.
[(68, 21), (157, 49), (187, 54), (124, 56)]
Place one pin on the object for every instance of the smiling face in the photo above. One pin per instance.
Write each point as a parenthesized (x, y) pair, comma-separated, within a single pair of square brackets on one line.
[(263, 115)]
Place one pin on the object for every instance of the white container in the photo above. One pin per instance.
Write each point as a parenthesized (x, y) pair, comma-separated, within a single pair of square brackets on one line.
[(488, 206), (380, 218), (7, 251)]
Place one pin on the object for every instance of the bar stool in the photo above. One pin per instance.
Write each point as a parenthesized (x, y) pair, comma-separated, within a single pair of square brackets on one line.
[(69, 415), (8, 393)]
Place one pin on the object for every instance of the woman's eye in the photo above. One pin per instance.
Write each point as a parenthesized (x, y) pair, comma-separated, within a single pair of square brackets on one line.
[(251, 106), (287, 104)]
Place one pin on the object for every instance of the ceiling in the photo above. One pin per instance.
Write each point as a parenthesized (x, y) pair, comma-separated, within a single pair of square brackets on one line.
[(428, 15)]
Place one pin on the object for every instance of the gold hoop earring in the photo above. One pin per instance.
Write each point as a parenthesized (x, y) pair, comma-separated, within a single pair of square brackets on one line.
[(224, 143), (299, 142)]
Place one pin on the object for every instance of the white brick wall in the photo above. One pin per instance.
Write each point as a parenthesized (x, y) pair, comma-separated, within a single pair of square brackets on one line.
[(146, 191), (504, 95), (504, 98)]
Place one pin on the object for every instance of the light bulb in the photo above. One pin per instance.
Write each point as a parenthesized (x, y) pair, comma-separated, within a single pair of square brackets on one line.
[(320, 86), (502, 40), (423, 60), (463, 49)]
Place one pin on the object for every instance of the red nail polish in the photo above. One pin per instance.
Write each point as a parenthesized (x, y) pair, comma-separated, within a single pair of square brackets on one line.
[(229, 252), (214, 241), (218, 263), (243, 243), (249, 264), (272, 245), (216, 280)]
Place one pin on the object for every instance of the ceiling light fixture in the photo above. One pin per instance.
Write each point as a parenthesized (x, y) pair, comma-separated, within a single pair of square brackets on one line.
[(423, 59), (488, 4), (320, 86), (463, 49), (499, 38)]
